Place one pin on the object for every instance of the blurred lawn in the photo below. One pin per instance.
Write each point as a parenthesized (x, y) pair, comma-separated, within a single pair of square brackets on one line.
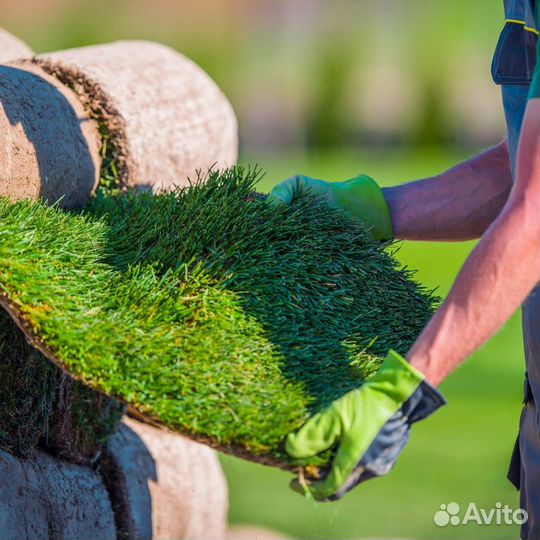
[(459, 455)]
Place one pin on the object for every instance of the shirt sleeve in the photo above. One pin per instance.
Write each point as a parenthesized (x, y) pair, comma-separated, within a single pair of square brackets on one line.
[(535, 85)]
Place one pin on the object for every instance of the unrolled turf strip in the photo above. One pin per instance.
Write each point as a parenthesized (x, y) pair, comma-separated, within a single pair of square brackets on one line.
[(206, 310)]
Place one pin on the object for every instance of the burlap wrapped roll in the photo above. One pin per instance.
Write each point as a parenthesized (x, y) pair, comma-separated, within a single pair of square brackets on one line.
[(49, 147), (166, 486), (46, 498), (163, 116), (12, 48)]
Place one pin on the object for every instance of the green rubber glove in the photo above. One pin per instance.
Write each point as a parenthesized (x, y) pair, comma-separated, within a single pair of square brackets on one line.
[(361, 198), (369, 426)]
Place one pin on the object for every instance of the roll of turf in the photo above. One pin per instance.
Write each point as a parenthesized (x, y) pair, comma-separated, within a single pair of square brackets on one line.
[(49, 150), (171, 487), (49, 145), (160, 115), (53, 140)]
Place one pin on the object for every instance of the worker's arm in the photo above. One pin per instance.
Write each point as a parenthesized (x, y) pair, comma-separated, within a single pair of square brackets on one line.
[(458, 204), (497, 276), (370, 425)]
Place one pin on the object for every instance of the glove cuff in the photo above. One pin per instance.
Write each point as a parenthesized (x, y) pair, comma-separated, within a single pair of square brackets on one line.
[(425, 399), (429, 400), (405, 384), (371, 206)]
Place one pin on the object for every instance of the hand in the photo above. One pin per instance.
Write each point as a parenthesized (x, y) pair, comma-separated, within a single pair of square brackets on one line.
[(361, 198), (369, 425)]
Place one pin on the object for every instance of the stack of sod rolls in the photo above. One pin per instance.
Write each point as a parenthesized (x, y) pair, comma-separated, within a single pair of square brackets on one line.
[(207, 311), (161, 116), (142, 483), (133, 114), (40, 405), (67, 120)]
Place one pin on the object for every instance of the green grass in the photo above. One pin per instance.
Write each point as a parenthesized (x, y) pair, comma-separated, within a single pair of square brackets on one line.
[(460, 454), (40, 405), (208, 310)]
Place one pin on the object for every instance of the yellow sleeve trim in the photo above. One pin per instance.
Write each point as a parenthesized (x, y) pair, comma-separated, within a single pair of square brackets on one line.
[(524, 24)]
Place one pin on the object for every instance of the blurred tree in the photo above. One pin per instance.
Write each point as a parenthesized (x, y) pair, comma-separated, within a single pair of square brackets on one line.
[(431, 125), (326, 125)]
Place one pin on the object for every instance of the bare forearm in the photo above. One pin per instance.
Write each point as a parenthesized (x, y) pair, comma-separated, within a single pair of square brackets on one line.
[(492, 284), (458, 204), (498, 275)]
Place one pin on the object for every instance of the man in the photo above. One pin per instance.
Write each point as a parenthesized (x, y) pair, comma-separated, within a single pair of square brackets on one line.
[(494, 196)]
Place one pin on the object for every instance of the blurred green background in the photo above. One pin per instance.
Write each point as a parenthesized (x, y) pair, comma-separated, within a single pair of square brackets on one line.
[(399, 89)]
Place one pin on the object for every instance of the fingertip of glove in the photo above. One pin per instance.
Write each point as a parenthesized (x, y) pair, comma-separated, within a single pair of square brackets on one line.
[(297, 447), (290, 446)]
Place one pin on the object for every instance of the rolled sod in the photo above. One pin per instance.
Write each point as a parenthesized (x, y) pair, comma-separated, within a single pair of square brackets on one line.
[(160, 115), (206, 310), (133, 114), (167, 485), (60, 125), (44, 497), (50, 146), (50, 150)]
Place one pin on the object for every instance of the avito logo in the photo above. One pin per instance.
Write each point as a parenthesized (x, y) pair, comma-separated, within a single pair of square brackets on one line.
[(449, 514)]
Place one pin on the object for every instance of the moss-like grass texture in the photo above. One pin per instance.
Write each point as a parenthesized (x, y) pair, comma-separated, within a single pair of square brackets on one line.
[(207, 310)]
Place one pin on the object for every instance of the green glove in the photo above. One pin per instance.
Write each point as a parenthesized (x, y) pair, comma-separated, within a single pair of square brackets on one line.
[(369, 425), (361, 198)]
